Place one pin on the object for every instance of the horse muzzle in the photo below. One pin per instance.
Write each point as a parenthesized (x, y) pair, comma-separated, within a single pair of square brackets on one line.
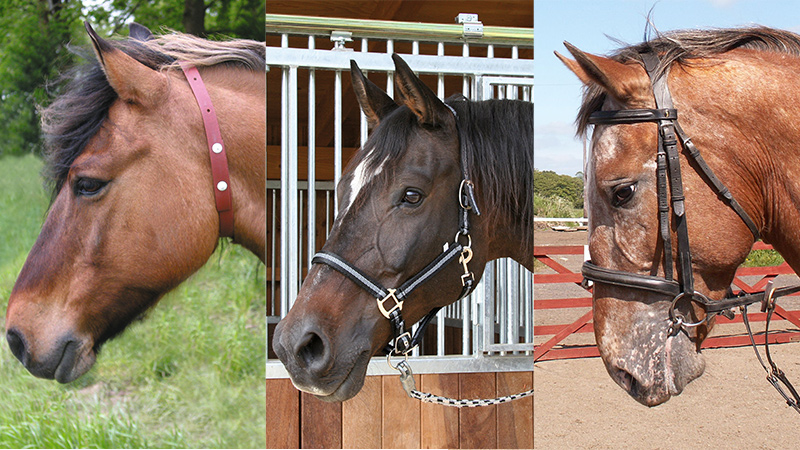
[(316, 366), (64, 360), (648, 362)]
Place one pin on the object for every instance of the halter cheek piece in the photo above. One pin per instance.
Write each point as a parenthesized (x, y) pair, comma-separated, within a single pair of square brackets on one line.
[(670, 190), (390, 301)]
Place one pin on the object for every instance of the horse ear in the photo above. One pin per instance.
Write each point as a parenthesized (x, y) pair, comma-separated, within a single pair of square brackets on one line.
[(139, 32), (628, 84), (131, 80), (417, 96), (375, 103)]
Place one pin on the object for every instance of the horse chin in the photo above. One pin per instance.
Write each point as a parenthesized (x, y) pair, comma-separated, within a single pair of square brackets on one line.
[(334, 389), (75, 364)]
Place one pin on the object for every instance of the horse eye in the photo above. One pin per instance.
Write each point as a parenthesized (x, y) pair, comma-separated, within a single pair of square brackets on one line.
[(412, 197), (623, 194), (88, 187)]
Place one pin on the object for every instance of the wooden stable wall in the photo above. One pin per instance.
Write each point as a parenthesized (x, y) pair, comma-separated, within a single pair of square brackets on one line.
[(382, 416)]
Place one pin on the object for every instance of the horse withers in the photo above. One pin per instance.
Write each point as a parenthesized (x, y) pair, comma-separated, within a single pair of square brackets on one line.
[(133, 211), (660, 203), (399, 202)]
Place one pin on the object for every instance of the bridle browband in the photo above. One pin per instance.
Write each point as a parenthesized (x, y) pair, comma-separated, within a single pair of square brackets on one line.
[(670, 190), (403, 341), (216, 150)]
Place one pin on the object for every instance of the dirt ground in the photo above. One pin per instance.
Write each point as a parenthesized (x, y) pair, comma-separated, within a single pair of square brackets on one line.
[(577, 405)]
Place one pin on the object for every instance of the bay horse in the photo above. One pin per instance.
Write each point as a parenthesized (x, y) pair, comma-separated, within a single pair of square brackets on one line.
[(405, 193), (714, 113), (133, 210)]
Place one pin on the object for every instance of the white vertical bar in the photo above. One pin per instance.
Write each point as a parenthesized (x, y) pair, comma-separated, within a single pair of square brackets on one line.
[(364, 124), (415, 47), (513, 293), (488, 304), (312, 166), (465, 326), (337, 135), (465, 80), (273, 253), (490, 51), (440, 77), (390, 74), (289, 228), (440, 323)]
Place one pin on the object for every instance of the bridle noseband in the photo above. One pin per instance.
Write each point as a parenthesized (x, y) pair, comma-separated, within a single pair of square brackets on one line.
[(670, 191), (390, 301)]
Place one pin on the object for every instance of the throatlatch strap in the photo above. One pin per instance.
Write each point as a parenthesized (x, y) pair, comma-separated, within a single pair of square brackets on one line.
[(216, 150)]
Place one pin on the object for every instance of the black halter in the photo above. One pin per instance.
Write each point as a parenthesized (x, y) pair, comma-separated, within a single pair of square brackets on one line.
[(404, 342), (670, 190)]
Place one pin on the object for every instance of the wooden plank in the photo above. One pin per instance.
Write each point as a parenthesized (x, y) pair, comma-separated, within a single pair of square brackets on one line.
[(361, 416), (439, 426), (401, 415), (515, 419), (321, 423), (283, 414), (478, 425)]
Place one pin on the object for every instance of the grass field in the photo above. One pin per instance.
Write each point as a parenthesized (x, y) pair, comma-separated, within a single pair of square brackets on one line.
[(191, 374)]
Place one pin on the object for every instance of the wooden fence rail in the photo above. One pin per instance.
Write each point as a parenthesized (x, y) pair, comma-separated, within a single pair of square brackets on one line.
[(554, 347)]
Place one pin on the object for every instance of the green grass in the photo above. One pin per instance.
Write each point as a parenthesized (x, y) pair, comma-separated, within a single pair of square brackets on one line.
[(763, 258), (189, 375)]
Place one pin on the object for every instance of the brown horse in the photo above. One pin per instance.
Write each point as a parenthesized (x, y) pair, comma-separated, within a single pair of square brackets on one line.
[(399, 203), (734, 93), (133, 211)]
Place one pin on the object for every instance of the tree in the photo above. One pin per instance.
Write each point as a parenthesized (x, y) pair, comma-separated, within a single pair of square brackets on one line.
[(550, 184), (32, 46)]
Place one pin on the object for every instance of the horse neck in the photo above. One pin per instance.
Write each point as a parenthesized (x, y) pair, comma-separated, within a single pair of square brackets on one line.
[(757, 151), (240, 101)]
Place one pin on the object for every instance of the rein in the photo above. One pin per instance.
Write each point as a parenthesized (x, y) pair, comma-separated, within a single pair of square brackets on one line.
[(403, 342), (216, 150), (670, 190)]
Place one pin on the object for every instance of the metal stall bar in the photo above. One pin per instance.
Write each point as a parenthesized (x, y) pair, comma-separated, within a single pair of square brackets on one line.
[(384, 29)]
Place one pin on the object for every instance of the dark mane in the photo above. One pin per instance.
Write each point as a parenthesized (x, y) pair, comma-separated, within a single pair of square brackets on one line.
[(683, 46), (85, 96), (497, 141)]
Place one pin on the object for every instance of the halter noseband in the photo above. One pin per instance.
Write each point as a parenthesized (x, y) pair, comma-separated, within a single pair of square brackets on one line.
[(216, 150), (390, 301)]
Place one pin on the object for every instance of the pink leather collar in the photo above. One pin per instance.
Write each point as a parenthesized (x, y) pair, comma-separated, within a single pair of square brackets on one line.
[(216, 151)]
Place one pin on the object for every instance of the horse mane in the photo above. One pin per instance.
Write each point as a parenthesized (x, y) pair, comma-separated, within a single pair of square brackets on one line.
[(684, 46), (85, 96), (497, 145)]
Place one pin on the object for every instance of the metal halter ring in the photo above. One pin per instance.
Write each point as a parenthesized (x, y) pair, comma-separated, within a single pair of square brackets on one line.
[(678, 320), (469, 238)]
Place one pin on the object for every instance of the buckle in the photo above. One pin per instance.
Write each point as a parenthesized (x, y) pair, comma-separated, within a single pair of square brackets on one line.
[(398, 304), (405, 348)]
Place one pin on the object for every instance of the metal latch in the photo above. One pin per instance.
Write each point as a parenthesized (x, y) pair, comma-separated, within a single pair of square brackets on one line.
[(473, 28), (340, 38)]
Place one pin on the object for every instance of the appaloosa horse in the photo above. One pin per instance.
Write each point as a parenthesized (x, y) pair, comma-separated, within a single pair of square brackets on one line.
[(660, 203), (418, 182), (135, 207)]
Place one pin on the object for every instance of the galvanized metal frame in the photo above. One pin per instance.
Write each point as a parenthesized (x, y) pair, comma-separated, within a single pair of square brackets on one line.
[(484, 77)]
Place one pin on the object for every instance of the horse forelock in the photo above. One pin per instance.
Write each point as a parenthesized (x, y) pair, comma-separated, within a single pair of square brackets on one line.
[(684, 46), (85, 96)]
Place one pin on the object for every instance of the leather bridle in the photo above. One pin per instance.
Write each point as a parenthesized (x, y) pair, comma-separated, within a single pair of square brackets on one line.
[(460, 248), (216, 150), (670, 190)]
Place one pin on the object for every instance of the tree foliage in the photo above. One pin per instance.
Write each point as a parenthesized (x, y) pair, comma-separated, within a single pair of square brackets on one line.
[(36, 37), (550, 184)]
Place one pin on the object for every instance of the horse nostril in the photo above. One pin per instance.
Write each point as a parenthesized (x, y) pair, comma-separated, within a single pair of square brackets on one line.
[(626, 381), (313, 354), (17, 345)]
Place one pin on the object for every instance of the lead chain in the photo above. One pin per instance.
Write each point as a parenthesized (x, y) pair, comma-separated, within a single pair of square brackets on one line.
[(409, 385)]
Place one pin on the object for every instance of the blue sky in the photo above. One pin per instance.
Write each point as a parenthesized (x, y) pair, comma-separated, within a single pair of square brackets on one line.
[(585, 24)]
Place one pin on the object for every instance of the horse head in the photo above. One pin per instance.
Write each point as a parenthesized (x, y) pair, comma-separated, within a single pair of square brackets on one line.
[(717, 90), (398, 206), (133, 211)]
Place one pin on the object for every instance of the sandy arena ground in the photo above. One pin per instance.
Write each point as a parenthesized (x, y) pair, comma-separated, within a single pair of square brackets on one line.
[(577, 405)]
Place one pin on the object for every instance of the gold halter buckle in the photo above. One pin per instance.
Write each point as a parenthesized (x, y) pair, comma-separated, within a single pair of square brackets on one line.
[(398, 304)]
